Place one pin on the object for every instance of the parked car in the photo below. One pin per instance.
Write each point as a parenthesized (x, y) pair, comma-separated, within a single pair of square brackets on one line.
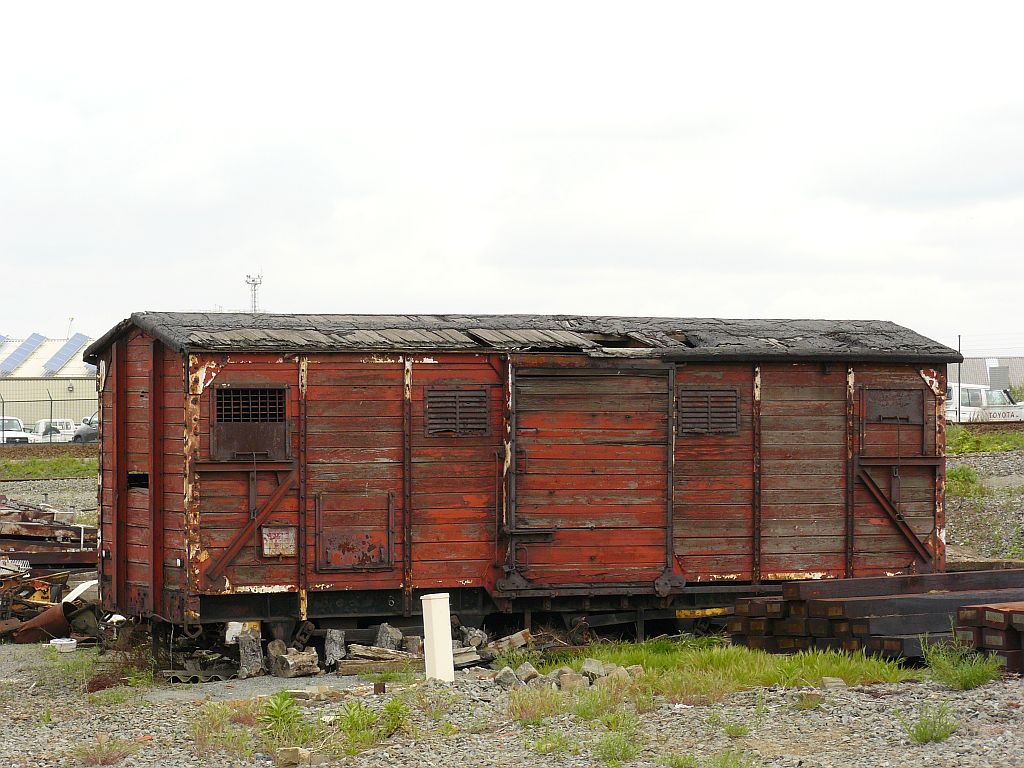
[(88, 431), (54, 430), (12, 430), (980, 403)]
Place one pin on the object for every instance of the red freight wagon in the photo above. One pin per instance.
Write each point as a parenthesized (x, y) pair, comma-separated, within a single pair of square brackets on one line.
[(331, 468)]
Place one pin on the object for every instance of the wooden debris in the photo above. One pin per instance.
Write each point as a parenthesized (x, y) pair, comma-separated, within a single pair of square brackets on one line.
[(373, 653), (362, 666), (507, 643), (295, 663)]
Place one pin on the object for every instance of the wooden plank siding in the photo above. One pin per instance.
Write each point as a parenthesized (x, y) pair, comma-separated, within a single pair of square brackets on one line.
[(803, 465), (714, 485), (591, 468)]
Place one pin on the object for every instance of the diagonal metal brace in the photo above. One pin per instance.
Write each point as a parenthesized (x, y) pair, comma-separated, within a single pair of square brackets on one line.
[(894, 514), (229, 554)]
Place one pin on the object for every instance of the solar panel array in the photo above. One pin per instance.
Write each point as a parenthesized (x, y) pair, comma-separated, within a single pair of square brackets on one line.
[(63, 355), (21, 354)]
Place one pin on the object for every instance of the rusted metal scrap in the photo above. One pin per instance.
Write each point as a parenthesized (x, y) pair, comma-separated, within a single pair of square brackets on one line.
[(43, 536)]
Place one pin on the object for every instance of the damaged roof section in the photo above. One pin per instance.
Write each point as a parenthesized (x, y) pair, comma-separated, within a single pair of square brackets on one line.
[(678, 339)]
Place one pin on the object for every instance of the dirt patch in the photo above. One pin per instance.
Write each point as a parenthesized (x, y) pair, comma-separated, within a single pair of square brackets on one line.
[(49, 450)]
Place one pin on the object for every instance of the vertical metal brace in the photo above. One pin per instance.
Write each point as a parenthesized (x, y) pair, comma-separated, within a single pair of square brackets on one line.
[(851, 469), (303, 511), (670, 465), (756, 506), (407, 486)]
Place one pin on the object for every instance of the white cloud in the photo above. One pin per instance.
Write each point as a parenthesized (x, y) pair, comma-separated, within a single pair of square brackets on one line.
[(796, 159)]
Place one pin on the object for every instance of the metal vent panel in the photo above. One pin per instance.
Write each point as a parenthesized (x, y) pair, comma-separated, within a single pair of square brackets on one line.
[(708, 411), (456, 412), (250, 405)]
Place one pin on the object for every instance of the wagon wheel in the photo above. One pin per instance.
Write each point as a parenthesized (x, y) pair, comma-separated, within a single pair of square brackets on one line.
[(579, 632)]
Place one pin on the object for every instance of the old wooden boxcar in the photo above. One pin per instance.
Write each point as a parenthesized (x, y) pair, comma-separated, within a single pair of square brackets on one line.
[(331, 467)]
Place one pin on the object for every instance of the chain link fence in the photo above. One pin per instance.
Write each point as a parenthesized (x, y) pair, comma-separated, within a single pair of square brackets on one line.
[(49, 420)]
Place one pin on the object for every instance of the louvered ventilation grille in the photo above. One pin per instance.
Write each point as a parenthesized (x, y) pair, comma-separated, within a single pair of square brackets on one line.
[(252, 406), (709, 412), (456, 412)]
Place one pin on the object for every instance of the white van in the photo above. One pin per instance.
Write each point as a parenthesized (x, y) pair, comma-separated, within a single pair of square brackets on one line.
[(979, 403), (54, 430)]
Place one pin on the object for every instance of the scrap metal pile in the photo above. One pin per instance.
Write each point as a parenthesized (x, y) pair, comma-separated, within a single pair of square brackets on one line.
[(32, 609), (886, 615), (44, 537)]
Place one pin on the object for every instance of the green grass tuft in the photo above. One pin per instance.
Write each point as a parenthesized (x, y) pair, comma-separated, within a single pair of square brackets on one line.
[(963, 481), (957, 665), (616, 748), (933, 723)]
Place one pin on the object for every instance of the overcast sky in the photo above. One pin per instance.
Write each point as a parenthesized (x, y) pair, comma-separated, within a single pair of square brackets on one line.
[(832, 160)]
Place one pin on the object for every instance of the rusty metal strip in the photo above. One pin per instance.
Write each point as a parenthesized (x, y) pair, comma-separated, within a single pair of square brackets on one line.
[(407, 486), (939, 543), (232, 550), (190, 448), (894, 514), (755, 546), (156, 476), (851, 469), (303, 511), (120, 522), (670, 473)]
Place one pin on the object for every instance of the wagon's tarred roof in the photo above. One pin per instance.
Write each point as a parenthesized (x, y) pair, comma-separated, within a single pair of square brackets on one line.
[(663, 337)]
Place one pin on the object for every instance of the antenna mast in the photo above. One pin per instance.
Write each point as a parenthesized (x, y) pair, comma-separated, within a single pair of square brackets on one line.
[(254, 282)]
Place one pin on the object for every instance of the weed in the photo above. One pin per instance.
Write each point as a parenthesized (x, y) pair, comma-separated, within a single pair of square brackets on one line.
[(436, 705), (531, 705), (552, 743), (104, 750), (73, 672), (957, 665), (516, 656), (760, 706), (280, 712), (594, 703), (806, 700), (45, 717), (644, 701), (715, 719), (447, 730), (736, 730), (679, 761), (616, 748), (402, 678), (730, 759), (621, 720), (963, 481), (933, 723), (394, 715), (110, 696), (213, 731)]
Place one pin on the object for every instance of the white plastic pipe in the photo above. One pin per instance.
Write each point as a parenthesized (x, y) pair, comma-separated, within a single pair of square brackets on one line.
[(437, 638)]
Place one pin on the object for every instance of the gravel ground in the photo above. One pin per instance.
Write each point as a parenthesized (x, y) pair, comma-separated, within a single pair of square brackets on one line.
[(991, 525), (852, 727), (79, 493)]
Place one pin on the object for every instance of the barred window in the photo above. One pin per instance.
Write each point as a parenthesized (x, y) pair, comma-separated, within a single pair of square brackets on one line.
[(250, 405), (456, 412), (708, 411)]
